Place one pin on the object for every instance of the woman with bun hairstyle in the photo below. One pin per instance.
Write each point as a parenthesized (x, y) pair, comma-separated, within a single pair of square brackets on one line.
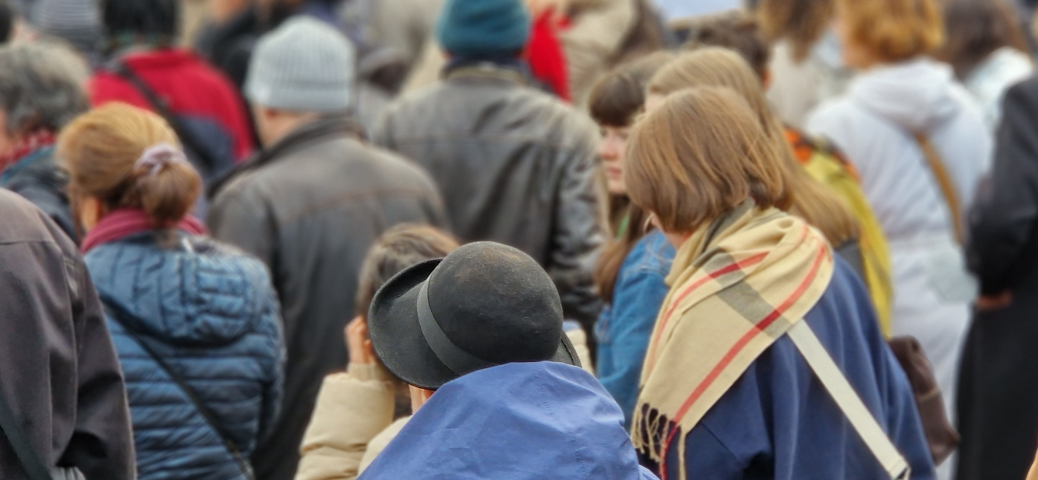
[(195, 323)]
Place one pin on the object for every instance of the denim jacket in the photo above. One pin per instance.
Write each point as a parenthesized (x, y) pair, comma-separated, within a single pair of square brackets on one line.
[(623, 328)]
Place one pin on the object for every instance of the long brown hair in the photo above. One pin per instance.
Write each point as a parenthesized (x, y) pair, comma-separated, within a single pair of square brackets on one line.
[(698, 155), (802, 22), (977, 28), (802, 195), (100, 150), (615, 102)]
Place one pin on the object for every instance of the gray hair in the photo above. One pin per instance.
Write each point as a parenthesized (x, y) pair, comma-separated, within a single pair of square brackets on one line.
[(41, 86)]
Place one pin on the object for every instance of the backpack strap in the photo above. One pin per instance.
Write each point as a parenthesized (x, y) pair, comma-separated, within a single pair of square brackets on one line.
[(944, 181), (16, 437), (848, 400), (120, 315)]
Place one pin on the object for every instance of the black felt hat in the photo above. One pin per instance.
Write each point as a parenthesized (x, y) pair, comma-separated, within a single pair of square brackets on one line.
[(483, 305)]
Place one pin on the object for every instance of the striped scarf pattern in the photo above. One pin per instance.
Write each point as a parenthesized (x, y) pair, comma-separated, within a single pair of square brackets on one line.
[(736, 288)]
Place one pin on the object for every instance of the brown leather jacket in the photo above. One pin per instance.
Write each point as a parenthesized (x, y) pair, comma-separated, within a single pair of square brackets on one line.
[(516, 166), (58, 369), (309, 207)]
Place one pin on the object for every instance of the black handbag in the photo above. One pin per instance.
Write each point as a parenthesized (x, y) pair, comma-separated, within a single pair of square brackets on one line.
[(120, 315)]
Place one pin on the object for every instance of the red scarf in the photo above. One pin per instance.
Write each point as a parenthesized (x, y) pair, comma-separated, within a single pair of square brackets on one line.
[(124, 222), (26, 145)]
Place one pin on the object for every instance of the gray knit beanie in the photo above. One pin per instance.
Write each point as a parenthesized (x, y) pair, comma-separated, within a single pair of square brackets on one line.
[(304, 65)]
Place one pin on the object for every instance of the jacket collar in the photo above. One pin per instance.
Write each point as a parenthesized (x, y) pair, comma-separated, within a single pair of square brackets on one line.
[(326, 128), (511, 69)]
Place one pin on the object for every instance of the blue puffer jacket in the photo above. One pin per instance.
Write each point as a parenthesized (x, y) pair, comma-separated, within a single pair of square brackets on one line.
[(211, 313)]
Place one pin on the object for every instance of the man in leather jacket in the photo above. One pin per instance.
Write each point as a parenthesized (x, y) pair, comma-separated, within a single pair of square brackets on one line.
[(309, 205), (516, 166)]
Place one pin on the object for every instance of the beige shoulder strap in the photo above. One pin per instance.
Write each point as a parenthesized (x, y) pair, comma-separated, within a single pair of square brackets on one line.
[(944, 181), (848, 400)]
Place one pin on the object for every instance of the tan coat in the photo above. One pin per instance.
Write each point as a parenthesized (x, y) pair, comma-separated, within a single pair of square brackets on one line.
[(353, 420)]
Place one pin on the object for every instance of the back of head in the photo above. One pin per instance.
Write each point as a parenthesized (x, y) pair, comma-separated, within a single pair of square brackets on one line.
[(152, 22), (802, 22), (698, 155), (978, 28), (892, 30), (105, 150), (736, 30), (305, 65), (41, 86), (398, 248), (802, 195), (620, 95), (483, 28)]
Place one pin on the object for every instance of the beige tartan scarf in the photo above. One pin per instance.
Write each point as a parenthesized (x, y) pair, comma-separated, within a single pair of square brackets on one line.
[(736, 288)]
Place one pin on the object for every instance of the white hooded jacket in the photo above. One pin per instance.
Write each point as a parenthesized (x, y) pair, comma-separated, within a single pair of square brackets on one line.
[(875, 125)]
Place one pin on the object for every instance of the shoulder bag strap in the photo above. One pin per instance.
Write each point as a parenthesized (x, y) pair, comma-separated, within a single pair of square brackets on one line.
[(119, 315), (10, 428), (944, 181), (848, 400), (187, 137)]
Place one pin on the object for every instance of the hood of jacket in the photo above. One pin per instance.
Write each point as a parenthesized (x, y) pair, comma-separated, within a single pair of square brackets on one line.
[(511, 422), (184, 290), (917, 95)]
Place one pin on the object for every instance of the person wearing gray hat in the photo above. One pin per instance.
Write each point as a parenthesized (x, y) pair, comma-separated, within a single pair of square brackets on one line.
[(309, 205)]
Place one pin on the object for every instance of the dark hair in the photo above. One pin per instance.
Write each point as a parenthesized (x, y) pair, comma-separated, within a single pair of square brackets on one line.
[(620, 95), (615, 102), (6, 22), (737, 31), (976, 29), (398, 248), (140, 20), (802, 22)]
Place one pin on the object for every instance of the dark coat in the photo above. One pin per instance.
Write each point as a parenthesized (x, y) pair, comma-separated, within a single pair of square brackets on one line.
[(516, 167), (38, 178), (998, 390), (309, 207), (58, 368), (211, 313)]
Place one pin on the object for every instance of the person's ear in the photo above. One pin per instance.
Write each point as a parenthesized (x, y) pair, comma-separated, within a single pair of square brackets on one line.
[(90, 211)]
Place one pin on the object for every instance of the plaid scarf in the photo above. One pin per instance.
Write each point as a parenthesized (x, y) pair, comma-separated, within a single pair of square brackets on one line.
[(736, 288)]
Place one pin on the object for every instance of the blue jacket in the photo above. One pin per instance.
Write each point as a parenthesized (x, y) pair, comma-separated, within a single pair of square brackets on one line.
[(211, 313), (778, 421), (519, 421), (624, 328)]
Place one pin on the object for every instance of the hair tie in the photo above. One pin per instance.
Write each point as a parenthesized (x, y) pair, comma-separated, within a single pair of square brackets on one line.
[(155, 158)]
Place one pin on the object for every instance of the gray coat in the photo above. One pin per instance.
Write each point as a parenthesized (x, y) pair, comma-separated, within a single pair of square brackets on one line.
[(58, 369), (516, 167), (309, 207)]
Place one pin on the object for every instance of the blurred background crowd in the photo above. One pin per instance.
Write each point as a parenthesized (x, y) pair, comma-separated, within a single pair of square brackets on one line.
[(237, 178)]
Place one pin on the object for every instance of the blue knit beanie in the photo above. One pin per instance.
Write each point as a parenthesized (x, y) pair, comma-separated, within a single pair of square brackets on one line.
[(483, 27)]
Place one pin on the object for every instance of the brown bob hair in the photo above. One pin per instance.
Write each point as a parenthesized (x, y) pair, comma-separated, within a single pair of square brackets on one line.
[(736, 30), (979, 27), (893, 30), (801, 195), (697, 156), (396, 249), (100, 150)]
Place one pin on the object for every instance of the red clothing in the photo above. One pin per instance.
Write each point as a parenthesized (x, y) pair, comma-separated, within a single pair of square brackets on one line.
[(546, 57), (194, 91)]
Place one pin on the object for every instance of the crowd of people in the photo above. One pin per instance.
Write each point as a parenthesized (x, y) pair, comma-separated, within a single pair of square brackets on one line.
[(518, 239)]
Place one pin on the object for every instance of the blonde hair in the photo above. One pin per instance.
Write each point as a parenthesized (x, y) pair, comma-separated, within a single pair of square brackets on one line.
[(100, 150), (802, 195), (698, 155), (893, 30)]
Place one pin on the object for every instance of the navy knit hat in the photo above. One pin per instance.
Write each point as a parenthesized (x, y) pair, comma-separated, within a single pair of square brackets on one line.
[(483, 27)]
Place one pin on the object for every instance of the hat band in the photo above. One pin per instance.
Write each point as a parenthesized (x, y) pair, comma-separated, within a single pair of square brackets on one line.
[(456, 359)]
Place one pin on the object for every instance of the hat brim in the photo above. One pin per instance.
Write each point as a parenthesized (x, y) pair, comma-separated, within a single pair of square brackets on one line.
[(397, 336)]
